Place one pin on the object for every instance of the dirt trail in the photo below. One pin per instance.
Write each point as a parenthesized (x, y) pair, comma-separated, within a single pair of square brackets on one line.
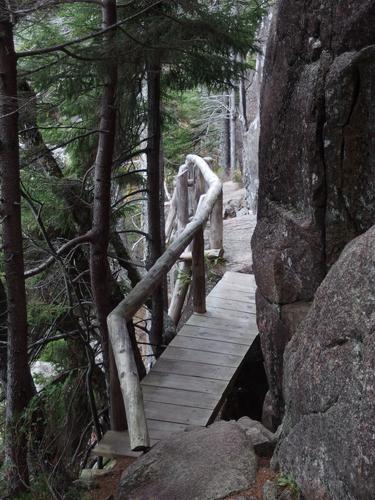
[(237, 232)]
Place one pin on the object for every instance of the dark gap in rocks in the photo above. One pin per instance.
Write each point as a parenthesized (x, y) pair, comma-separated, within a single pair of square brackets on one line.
[(247, 395)]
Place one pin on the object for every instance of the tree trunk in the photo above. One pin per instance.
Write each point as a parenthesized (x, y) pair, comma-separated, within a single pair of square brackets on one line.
[(233, 129), (155, 205), (3, 336), (19, 381), (226, 136), (99, 266)]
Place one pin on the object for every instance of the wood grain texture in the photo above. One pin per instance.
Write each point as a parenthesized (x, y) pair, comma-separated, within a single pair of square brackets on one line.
[(176, 413), (179, 397), (185, 382), (207, 345), (193, 369)]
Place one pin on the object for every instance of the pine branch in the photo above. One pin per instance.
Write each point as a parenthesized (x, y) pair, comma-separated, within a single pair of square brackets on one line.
[(61, 47)]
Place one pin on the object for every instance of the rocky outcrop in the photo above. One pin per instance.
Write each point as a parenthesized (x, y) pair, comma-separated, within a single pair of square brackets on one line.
[(328, 442), (200, 464), (316, 161)]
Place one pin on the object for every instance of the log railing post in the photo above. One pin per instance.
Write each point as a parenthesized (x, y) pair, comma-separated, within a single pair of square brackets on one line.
[(216, 224), (181, 286), (199, 275), (182, 196)]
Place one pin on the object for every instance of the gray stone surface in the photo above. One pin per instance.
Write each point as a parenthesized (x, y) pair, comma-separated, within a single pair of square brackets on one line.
[(203, 464), (328, 441), (316, 158), (276, 326), (264, 441)]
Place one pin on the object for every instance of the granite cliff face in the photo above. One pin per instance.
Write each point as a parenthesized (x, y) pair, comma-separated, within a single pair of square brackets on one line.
[(328, 441), (316, 162)]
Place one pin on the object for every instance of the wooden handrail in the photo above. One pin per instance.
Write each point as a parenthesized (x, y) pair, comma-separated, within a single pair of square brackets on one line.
[(124, 312)]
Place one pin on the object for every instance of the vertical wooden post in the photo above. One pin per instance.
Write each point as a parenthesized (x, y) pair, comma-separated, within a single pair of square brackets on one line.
[(182, 198), (199, 276), (200, 186), (233, 129), (183, 269), (216, 224), (180, 290), (197, 184)]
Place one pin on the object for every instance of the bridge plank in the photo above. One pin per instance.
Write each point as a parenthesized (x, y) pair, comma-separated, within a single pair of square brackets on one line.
[(235, 337), (207, 345), (185, 382), (238, 295), (221, 322), (179, 397), (193, 369), (230, 305), (210, 358), (177, 413), (158, 427), (238, 321)]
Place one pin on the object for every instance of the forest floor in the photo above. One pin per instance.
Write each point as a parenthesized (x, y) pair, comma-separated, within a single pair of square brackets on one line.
[(238, 230)]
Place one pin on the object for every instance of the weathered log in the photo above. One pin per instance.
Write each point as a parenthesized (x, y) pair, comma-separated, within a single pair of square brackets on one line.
[(129, 381), (199, 273), (179, 292), (216, 224), (171, 217), (182, 193), (181, 286), (212, 253)]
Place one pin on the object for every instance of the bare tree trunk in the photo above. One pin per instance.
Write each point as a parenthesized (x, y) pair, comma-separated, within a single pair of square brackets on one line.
[(3, 336), (99, 266), (226, 136), (233, 129), (154, 188), (19, 381)]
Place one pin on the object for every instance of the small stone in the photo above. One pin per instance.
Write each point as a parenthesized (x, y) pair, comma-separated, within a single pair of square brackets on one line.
[(264, 441)]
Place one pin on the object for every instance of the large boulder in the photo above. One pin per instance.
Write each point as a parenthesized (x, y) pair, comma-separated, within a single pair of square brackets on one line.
[(328, 442), (316, 158), (200, 464)]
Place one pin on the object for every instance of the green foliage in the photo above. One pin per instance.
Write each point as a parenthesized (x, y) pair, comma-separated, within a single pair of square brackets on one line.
[(287, 481), (44, 192), (181, 126), (184, 277), (40, 313), (41, 490), (214, 268), (56, 352)]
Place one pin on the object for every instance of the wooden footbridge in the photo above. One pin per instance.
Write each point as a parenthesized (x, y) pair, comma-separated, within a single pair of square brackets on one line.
[(189, 382)]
